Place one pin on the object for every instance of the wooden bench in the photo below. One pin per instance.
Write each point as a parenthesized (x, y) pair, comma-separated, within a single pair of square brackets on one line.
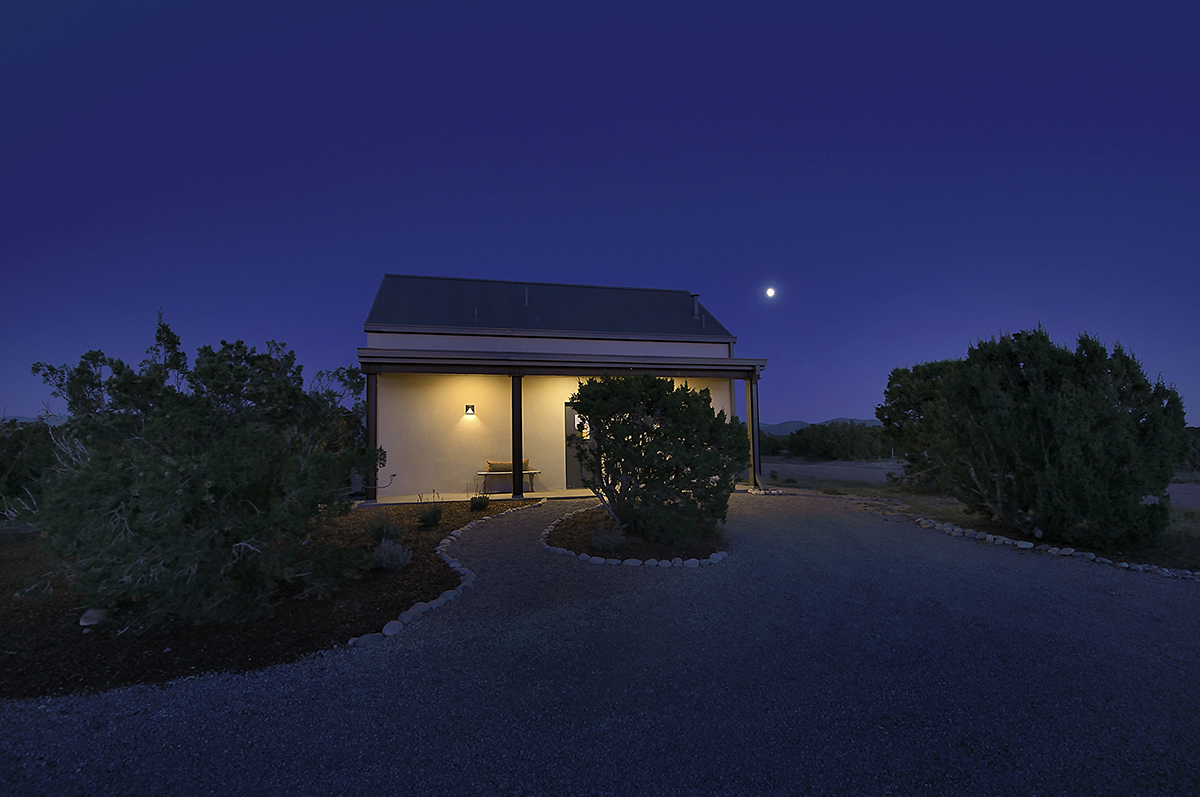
[(506, 469)]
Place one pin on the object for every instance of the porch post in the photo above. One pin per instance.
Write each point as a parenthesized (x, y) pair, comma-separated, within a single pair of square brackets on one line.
[(518, 476), (752, 429), (372, 475)]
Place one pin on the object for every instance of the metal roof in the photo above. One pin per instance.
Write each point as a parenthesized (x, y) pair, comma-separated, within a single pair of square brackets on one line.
[(465, 306)]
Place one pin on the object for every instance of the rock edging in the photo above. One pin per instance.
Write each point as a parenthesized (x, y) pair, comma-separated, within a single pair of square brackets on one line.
[(599, 560), (418, 610), (951, 530)]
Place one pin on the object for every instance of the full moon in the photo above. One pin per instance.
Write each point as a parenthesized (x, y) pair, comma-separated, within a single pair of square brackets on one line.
[(770, 292)]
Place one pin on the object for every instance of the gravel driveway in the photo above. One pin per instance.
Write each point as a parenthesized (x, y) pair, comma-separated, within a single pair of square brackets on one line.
[(837, 650)]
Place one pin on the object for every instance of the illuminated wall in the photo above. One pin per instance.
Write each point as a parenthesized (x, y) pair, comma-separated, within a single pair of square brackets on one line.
[(432, 444)]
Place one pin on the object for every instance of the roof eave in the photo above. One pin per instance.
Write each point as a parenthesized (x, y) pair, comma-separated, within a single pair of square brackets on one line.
[(545, 333)]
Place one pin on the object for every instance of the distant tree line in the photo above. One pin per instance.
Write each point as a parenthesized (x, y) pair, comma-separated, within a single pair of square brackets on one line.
[(829, 442)]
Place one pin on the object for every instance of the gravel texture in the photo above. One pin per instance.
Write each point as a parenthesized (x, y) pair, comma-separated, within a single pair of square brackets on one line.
[(836, 650)]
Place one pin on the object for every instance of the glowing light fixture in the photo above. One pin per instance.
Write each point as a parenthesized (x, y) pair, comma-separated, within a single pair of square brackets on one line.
[(470, 409), (770, 292)]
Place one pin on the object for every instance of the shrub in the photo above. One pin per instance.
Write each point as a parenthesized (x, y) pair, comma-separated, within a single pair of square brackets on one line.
[(479, 503), (382, 528), (193, 491), (1045, 439), (658, 458), (26, 454), (431, 516), (391, 555)]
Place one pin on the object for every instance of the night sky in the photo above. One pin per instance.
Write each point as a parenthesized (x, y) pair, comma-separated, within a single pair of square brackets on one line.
[(908, 177)]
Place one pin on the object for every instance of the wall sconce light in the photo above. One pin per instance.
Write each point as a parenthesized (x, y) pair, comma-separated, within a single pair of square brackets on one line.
[(470, 409)]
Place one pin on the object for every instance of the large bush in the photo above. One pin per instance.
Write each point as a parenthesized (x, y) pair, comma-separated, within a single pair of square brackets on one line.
[(1078, 445), (657, 456), (190, 491)]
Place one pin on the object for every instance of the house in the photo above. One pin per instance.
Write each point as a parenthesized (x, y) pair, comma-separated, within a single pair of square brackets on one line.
[(461, 372)]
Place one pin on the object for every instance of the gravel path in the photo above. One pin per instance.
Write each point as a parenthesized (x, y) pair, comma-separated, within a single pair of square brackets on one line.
[(836, 650)]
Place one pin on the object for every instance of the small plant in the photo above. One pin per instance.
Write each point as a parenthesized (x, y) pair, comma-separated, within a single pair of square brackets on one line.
[(607, 542), (391, 555), (431, 516), (382, 528), (774, 475), (789, 480), (609, 537), (479, 503)]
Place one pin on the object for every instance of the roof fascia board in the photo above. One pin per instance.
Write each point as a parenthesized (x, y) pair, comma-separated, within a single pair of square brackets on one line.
[(545, 333)]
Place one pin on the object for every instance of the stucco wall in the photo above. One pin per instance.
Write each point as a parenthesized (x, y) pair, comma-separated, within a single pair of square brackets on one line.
[(433, 445)]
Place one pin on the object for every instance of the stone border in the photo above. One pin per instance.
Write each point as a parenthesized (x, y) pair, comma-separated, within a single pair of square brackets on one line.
[(598, 560), (418, 609), (951, 530)]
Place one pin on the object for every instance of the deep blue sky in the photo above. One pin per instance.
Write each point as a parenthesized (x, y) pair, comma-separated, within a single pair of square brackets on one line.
[(909, 179)]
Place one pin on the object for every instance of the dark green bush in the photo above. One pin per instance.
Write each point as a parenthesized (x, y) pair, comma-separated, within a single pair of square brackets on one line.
[(479, 503), (26, 454), (195, 492), (1076, 445), (657, 456), (431, 516)]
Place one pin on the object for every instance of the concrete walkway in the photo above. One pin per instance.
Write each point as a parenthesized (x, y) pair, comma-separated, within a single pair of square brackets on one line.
[(837, 650)]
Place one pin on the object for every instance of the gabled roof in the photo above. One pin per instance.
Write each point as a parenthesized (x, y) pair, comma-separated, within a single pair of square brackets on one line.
[(407, 303)]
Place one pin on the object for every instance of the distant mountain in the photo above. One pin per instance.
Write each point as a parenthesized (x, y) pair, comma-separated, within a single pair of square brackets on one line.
[(787, 427), (781, 429), (53, 420), (859, 421)]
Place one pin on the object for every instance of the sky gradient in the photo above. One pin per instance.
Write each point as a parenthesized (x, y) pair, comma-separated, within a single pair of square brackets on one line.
[(908, 180)]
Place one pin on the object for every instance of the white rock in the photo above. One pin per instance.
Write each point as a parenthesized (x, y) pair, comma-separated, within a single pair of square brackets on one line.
[(692, 563), (1103, 561), (411, 616), (651, 563), (988, 538), (677, 562), (422, 607), (1025, 544), (437, 603), (584, 557), (1124, 565), (1053, 551), (596, 560), (448, 595), (633, 562), (93, 617), (367, 640), (612, 561), (664, 563), (392, 628), (1066, 551), (1091, 557)]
